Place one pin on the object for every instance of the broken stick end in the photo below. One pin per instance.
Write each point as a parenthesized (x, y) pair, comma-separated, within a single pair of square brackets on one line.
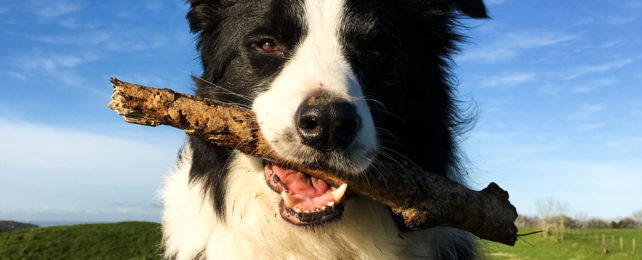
[(115, 82)]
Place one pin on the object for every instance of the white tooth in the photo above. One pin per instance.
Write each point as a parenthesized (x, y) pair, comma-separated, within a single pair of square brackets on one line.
[(287, 199), (307, 211), (338, 193), (331, 203), (323, 208), (297, 210)]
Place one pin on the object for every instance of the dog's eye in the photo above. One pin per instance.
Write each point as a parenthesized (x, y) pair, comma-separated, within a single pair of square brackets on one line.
[(268, 45)]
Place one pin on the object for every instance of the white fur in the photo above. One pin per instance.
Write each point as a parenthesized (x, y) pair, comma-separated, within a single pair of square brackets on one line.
[(188, 218), (318, 63), (254, 229)]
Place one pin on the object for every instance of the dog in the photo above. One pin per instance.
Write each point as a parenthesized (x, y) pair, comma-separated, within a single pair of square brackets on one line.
[(335, 84)]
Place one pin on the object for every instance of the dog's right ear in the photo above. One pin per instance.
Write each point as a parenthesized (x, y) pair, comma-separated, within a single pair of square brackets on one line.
[(203, 13)]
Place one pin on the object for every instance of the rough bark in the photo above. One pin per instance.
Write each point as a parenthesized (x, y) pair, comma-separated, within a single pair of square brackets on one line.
[(422, 199)]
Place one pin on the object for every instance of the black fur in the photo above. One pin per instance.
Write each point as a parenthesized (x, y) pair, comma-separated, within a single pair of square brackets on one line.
[(225, 42), (399, 50)]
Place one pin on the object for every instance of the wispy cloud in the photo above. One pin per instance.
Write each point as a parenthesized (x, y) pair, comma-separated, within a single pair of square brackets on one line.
[(488, 55), (584, 21), (583, 89), (91, 38), (621, 20), (508, 80), (587, 127), (594, 85), (625, 143), (51, 9), (154, 5), (75, 23), (15, 74), (61, 67), (495, 2), (598, 68), (40, 60), (586, 112), (71, 23), (536, 39), (137, 44), (632, 4), (611, 43), (511, 44)]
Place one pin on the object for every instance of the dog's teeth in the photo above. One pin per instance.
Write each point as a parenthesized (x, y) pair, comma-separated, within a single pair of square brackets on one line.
[(331, 203), (297, 210), (287, 199), (307, 211), (323, 208), (338, 193)]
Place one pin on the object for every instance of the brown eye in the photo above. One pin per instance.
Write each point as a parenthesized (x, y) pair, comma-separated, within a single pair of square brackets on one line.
[(268, 45)]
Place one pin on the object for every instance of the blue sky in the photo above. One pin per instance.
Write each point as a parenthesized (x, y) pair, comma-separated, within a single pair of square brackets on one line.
[(557, 86)]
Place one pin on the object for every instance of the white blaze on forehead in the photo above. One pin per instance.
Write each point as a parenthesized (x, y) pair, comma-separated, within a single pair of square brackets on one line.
[(321, 51), (319, 62)]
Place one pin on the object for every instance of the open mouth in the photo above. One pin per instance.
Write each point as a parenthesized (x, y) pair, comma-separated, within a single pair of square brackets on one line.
[(305, 200)]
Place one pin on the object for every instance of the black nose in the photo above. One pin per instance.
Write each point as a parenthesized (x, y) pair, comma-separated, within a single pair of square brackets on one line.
[(325, 123)]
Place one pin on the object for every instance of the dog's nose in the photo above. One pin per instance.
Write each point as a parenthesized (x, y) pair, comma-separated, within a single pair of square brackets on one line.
[(327, 123)]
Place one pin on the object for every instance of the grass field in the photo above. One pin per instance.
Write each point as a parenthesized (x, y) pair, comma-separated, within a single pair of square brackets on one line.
[(125, 240), (577, 244), (140, 240)]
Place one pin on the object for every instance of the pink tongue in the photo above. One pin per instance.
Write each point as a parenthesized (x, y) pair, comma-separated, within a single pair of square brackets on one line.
[(299, 183)]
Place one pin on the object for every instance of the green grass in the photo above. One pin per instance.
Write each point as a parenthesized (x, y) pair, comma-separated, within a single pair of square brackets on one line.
[(577, 244), (140, 240), (126, 240)]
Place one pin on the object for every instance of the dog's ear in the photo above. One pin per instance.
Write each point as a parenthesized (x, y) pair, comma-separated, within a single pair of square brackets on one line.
[(472, 8), (203, 13)]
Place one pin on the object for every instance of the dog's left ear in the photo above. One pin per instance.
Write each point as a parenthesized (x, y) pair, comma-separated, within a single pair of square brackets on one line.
[(472, 8), (203, 14)]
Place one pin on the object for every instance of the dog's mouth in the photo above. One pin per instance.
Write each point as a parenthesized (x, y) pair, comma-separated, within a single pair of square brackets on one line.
[(305, 200)]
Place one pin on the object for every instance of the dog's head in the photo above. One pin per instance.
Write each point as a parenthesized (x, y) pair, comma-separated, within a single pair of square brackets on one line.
[(334, 84)]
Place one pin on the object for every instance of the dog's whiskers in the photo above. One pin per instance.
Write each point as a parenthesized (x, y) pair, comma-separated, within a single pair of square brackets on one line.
[(245, 97)]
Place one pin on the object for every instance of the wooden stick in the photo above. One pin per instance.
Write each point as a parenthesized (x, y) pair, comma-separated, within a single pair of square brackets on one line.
[(422, 199)]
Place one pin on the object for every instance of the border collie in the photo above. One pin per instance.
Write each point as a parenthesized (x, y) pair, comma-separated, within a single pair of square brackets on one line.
[(335, 84)]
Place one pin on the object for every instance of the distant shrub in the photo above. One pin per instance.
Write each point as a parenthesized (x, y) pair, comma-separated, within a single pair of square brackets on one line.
[(625, 223), (595, 223)]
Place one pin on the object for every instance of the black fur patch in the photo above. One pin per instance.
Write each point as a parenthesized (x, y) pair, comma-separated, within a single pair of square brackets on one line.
[(232, 71), (209, 166)]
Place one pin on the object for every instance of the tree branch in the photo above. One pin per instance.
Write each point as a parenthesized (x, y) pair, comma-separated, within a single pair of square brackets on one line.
[(422, 199)]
